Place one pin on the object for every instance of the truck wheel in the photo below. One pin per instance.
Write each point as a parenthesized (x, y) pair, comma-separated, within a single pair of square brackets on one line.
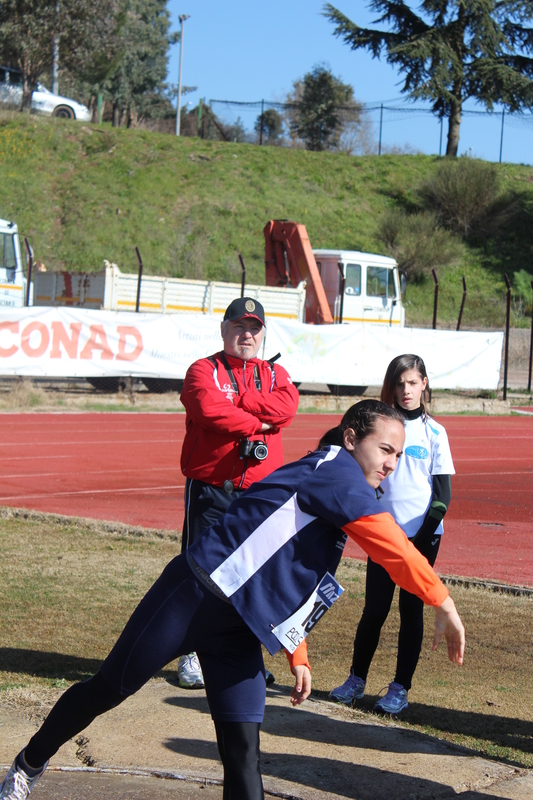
[(111, 384), (342, 389), (65, 112), (163, 385)]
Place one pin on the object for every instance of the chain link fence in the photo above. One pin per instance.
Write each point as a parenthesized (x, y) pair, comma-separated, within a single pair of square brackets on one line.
[(379, 125)]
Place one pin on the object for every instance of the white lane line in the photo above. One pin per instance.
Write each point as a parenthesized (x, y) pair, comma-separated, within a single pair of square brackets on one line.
[(478, 458), (89, 491), (91, 442), (144, 470), (494, 474)]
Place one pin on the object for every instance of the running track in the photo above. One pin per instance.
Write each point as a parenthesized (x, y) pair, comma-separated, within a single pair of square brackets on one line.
[(125, 467)]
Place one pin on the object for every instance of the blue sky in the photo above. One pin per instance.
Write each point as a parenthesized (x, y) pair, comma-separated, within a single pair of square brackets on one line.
[(247, 50)]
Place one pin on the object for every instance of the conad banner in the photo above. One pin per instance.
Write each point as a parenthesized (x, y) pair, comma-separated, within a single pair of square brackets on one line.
[(60, 342)]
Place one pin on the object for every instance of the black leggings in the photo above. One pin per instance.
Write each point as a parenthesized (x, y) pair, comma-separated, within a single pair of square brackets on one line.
[(379, 594), (177, 615)]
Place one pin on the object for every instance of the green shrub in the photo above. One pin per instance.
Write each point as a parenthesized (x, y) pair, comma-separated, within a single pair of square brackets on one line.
[(522, 291), (418, 243), (467, 199)]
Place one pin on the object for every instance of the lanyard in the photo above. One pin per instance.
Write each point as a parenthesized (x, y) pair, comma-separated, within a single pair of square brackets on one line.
[(257, 377)]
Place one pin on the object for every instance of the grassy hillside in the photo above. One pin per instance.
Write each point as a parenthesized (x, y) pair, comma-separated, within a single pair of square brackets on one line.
[(82, 193)]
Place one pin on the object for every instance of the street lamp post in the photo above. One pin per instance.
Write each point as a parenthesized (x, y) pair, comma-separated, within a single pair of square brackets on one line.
[(182, 19)]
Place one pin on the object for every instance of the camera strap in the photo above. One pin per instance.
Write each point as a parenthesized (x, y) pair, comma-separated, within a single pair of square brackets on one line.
[(231, 376)]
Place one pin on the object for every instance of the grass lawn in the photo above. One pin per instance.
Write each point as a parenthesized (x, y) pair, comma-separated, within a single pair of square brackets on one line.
[(84, 193), (68, 587)]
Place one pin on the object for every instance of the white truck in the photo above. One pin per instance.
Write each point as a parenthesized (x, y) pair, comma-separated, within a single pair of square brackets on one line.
[(12, 279), (113, 290), (371, 291), (372, 287), (357, 287)]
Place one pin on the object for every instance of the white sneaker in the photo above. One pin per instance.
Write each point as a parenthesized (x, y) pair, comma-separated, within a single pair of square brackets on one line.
[(17, 785), (189, 673)]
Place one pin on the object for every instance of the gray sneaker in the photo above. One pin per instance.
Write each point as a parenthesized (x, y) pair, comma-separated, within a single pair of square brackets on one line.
[(352, 689), (190, 672), (17, 785), (394, 701)]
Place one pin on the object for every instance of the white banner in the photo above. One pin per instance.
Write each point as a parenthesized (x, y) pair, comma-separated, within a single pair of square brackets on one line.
[(59, 342), (358, 355)]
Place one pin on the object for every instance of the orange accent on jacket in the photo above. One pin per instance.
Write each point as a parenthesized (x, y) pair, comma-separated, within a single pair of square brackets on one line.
[(386, 544)]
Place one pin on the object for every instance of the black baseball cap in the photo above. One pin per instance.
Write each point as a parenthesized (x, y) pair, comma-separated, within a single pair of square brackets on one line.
[(245, 307)]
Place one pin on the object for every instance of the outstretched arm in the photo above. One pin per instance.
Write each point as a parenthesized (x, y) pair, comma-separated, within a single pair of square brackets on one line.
[(386, 544), (449, 625)]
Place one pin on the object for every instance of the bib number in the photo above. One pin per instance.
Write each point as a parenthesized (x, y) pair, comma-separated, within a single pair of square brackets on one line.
[(292, 631)]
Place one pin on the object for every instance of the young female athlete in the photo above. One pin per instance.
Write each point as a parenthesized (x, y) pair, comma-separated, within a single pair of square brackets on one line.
[(263, 574), (417, 495)]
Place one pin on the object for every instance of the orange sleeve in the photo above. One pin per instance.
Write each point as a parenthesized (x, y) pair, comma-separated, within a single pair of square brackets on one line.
[(299, 657), (386, 544)]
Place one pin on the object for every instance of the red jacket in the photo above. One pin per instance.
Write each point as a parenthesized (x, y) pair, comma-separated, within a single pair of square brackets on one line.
[(218, 420)]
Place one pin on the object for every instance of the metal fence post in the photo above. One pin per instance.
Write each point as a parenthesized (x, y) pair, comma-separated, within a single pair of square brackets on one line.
[(436, 299), (243, 276), (462, 306), (29, 252), (262, 122), (342, 282), (380, 128), (530, 346), (139, 279), (501, 136), (507, 325)]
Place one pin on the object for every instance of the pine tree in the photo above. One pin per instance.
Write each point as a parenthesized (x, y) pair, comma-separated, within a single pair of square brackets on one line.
[(452, 51), (319, 104)]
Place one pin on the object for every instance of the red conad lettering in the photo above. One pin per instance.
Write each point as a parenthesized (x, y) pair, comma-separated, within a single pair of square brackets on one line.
[(127, 330), (6, 352), (97, 341), (34, 352), (60, 336)]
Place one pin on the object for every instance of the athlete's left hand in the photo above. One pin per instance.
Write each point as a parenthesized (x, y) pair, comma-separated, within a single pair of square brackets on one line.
[(449, 625), (302, 684)]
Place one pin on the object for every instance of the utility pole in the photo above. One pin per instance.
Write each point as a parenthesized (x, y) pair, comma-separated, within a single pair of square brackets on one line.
[(55, 62), (182, 19)]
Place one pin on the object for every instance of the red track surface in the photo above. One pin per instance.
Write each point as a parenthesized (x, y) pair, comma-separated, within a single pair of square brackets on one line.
[(125, 467)]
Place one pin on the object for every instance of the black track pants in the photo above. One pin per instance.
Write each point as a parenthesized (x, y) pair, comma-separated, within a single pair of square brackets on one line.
[(379, 594)]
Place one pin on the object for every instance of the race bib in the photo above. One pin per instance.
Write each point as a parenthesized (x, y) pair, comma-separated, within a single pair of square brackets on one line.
[(295, 628)]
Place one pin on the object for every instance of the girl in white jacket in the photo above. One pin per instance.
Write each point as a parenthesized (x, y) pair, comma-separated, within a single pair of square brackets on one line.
[(417, 495)]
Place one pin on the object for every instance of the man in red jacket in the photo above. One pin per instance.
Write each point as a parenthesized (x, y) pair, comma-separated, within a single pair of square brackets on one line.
[(236, 406)]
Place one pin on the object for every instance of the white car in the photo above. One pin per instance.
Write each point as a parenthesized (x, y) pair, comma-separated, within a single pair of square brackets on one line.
[(42, 101)]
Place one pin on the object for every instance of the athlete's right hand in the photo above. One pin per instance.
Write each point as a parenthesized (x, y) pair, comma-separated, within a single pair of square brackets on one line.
[(302, 684), (448, 624)]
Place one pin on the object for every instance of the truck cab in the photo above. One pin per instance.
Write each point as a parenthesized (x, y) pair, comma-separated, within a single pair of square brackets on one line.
[(12, 280), (361, 287)]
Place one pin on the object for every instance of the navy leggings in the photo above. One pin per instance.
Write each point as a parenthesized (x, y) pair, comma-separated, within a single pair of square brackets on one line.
[(379, 593), (176, 616)]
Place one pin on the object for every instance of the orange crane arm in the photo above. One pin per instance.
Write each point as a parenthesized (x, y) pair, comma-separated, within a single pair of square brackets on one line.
[(289, 259)]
